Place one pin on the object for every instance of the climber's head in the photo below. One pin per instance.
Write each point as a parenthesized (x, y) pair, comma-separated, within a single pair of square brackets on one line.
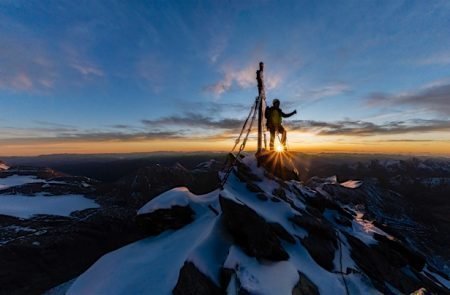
[(276, 102)]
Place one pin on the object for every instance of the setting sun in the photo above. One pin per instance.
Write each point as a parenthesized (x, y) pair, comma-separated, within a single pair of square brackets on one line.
[(279, 148)]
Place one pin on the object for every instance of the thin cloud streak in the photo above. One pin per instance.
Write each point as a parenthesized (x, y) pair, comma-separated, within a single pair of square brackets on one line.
[(362, 128), (194, 120), (96, 137), (435, 97), (442, 59)]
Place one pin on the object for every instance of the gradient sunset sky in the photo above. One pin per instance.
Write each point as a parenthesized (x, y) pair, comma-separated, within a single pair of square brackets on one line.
[(137, 76)]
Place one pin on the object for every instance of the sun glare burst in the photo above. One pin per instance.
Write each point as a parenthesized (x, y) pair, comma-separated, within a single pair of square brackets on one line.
[(279, 148)]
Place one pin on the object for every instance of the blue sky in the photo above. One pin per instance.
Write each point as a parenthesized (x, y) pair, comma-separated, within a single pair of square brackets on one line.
[(139, 71)]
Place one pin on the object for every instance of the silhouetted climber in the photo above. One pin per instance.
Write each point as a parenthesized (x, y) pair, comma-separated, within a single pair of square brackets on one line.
[(274, 117)]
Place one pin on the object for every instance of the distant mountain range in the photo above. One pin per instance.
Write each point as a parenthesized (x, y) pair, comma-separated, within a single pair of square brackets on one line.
[(68, 222)]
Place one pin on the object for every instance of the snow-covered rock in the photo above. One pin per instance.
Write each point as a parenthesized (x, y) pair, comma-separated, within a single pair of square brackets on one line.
[(261, 235), (3, 166)]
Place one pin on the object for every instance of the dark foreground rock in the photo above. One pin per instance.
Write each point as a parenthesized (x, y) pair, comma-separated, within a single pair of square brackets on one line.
[(192, 281), (321, 241), (305, 286)]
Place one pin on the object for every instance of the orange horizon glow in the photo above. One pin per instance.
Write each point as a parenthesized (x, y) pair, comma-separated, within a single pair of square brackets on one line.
[(309, 145)]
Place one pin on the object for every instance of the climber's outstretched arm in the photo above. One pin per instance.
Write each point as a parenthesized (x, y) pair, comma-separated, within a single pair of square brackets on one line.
[(284, 115)]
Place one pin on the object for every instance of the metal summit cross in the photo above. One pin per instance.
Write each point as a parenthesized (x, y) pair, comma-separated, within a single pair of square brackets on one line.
[(261, 104)]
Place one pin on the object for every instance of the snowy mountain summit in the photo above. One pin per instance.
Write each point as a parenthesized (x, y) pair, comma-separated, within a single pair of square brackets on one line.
[(261, 234)]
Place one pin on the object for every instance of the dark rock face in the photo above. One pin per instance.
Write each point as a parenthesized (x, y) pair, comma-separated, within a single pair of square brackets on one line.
[(416, 260), (163, 219), (322, 251), (253, 187), (262, 197), (244, 173), (384, 264), (280, 193), (192, 281), (281, 232), (250, 231), (321, 241), (305, 286)]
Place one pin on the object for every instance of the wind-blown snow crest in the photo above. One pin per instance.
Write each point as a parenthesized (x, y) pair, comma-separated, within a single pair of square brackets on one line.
[(175, 197)]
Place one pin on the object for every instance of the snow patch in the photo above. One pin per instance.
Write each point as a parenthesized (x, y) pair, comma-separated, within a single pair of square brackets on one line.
[(16, 180), (18, 228), (25, 206)]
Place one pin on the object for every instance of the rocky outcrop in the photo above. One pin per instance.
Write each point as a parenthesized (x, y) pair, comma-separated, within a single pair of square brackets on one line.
[(250, 231), (384, 264), (321, 241), (305, 286), (408, 256), (192, 281)]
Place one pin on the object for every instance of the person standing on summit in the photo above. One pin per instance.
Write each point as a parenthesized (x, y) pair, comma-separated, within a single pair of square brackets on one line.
[(274, 116)]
